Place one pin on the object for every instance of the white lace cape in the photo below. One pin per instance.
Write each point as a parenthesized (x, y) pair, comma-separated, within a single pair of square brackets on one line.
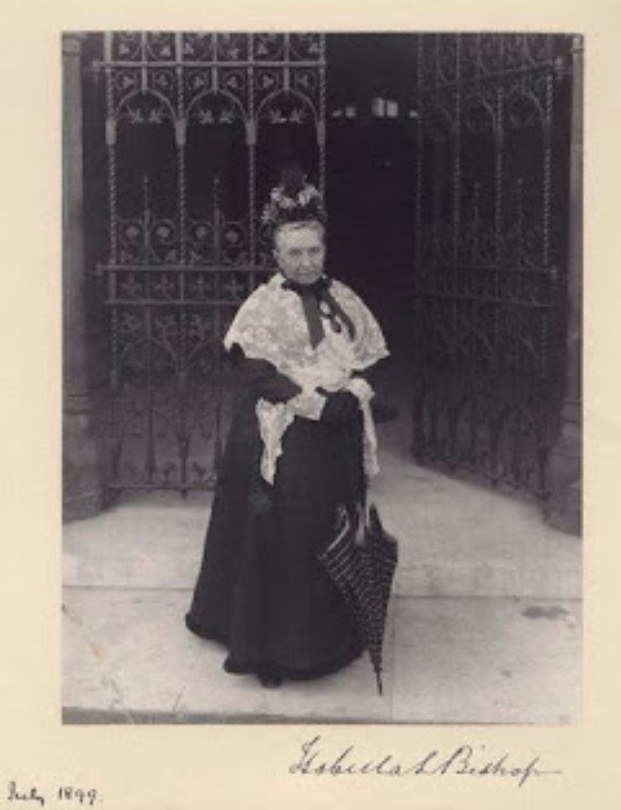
[(271, 325)]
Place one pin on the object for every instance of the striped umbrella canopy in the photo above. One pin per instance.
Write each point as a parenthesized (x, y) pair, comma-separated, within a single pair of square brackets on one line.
[(362, 566)]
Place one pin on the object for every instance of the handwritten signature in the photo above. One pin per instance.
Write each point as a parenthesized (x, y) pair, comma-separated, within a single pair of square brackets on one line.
[(464, 760)]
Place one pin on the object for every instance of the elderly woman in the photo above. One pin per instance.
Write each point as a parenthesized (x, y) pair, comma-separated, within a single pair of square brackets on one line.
[(300, 448)]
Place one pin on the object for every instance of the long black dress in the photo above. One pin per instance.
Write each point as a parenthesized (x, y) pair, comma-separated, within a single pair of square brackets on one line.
[(261, 590)]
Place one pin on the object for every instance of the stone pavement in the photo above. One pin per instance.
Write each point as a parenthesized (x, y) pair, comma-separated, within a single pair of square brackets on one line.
[(484, 627)]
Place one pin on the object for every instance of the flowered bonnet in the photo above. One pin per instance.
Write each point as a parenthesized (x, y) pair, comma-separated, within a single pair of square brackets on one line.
[(294, 199)]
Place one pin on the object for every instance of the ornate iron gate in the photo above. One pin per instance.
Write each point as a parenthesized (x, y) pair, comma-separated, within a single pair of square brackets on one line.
[(493, 142), (195, 126)]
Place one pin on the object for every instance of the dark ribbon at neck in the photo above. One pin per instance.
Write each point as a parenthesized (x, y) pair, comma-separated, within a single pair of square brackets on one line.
[(318, 301)]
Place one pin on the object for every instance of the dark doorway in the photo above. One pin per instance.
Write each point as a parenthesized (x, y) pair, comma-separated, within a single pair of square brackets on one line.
[(371, 183)]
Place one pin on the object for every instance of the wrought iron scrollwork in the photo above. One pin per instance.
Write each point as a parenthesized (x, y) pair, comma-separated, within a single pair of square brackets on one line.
[(490, 273), (185, 252)]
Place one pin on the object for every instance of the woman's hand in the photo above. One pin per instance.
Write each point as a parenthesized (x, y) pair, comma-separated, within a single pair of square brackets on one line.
[(339, 407)]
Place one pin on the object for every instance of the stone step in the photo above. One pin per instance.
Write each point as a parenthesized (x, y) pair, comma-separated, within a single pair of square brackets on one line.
[(128, 658)]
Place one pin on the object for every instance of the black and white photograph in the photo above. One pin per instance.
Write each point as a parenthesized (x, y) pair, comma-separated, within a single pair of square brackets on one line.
[(322, 339)]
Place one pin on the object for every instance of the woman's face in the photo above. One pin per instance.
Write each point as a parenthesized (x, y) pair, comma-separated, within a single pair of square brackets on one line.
[(300, 252)]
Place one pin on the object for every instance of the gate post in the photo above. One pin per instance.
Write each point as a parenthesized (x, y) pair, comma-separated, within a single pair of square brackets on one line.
[(82, 469), (564, 508)]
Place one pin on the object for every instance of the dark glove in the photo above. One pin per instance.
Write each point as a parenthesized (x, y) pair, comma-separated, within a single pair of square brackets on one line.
[(383, 410), (262, 377), (340, 407)]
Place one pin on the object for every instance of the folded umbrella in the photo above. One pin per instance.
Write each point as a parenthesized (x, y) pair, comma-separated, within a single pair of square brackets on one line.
[(362, 565)]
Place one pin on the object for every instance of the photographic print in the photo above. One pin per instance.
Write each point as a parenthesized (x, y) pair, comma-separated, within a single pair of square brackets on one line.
[(322, 409)]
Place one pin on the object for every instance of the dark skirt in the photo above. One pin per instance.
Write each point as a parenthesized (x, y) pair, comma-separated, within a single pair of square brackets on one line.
[(261, 590)]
